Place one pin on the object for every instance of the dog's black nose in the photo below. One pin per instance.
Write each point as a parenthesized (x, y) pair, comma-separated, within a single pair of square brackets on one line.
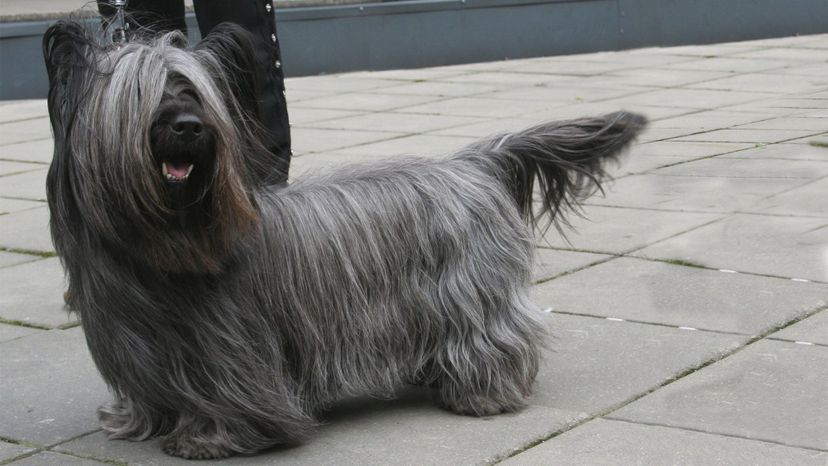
[(187, 126)]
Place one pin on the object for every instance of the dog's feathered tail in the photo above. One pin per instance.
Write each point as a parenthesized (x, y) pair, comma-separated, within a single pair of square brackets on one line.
[(566, 160)]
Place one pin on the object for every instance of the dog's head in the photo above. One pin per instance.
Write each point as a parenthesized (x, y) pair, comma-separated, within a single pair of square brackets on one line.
[(149, 144)]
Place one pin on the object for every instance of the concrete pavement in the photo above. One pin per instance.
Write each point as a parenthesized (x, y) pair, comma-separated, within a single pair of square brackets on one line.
[(690, 306)]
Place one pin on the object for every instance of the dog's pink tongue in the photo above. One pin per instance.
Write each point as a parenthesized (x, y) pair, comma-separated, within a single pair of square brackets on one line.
[(178, 170)]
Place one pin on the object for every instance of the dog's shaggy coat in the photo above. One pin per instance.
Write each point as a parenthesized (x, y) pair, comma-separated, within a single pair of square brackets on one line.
[(225, 315)]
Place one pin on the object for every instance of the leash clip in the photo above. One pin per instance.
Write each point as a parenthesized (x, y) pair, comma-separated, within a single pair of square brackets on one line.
[(120, 35)]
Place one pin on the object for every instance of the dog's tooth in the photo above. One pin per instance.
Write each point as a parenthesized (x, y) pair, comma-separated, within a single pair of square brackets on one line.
[(189, 170), (164, 169)]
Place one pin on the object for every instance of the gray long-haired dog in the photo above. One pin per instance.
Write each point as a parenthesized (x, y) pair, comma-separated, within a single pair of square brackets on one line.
[(226, 315)]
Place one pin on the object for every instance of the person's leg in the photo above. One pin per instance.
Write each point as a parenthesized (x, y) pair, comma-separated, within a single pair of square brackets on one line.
[(256, 16), (154, 15)]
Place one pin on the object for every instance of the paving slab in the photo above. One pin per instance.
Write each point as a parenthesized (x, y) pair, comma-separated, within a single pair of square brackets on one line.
[(395, 122), (34, 294), (25, 130), (596, 364), (49, 388), (686, 150), (813, 113), (12, 168), (49, 458), (16, 110), (781, 246), (301, 116), (638, 165), (13, 332), (693, 98), (581, 109), (409, 430), (757, 82), (553, 262), (508, 79), (570, 66), (616, 58), (784, 151), (811, 69), (711, 119), (798, 41), (780, 54), (820, 140), (418, 144), (413, 74), (8, 206), (809, 124), (11, 450), (441, 89), (660, 134), (814, 329), (807, 200), (567, 95), (365, 101), (693, 193), (753, 168), (490, 127), (682, 296), (339, 83), (318, 164), (482, 107), (660, 77), (755, 136), (30, 185), (7, 259), (782, 106), (727, 64), (699, 51), (771, 390), (609, 443), (617, 230), (26, 230), (296, 96), (34, 151), (305, 140)]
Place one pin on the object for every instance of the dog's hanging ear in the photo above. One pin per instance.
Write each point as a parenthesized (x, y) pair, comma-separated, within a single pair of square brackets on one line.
[(231, 49), (66, 51)]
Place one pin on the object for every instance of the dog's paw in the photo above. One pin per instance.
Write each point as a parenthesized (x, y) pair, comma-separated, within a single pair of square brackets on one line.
[(114, 417), (472, 405), (186, 446), (123, 419)]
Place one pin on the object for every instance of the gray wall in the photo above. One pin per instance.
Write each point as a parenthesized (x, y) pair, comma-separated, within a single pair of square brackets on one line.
[(412, 34)]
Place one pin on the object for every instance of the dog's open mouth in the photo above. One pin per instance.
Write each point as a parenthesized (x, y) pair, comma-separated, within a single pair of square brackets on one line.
[(176, 172)]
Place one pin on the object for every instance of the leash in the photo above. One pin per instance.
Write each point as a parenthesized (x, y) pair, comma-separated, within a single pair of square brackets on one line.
[(120, 35)]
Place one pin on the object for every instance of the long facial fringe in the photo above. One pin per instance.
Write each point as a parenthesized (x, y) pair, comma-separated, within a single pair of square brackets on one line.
[(121, 189)]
